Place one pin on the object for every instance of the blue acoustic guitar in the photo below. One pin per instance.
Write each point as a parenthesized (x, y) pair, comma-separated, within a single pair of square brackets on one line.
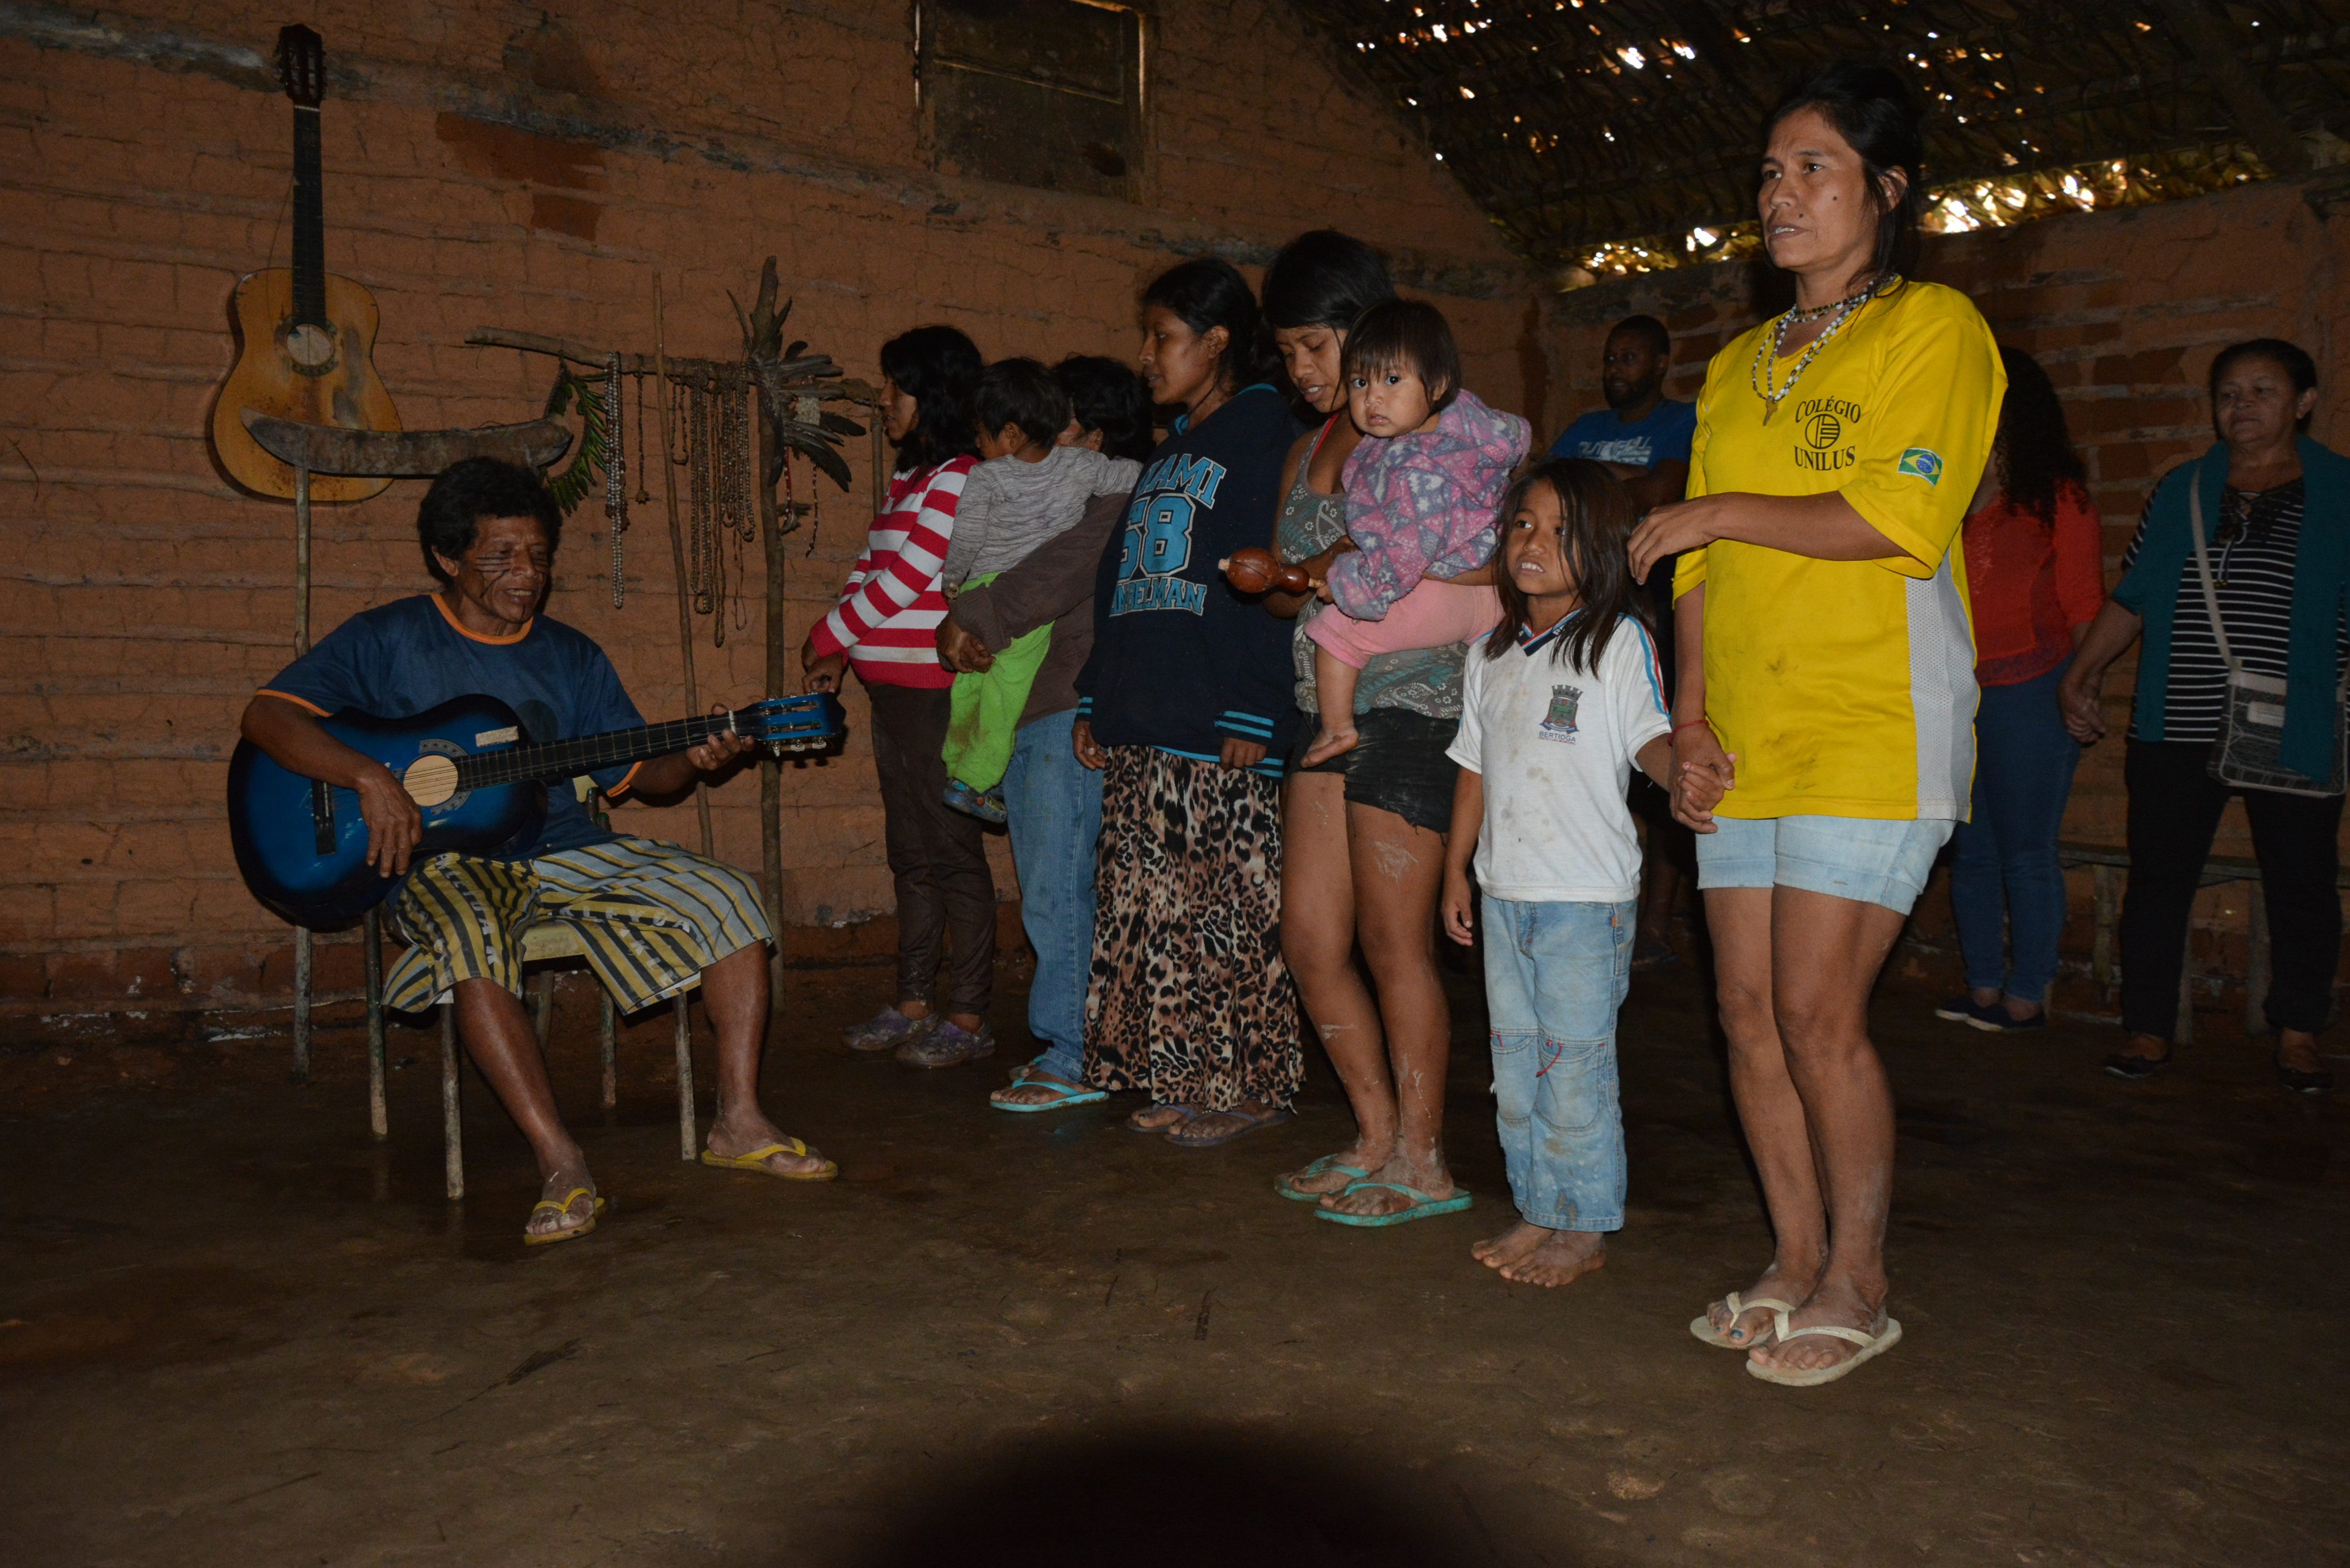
[(302, 844)]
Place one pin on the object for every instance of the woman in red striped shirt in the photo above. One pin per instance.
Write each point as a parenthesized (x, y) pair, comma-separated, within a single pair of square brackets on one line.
[(2035, 579), (885, 627)]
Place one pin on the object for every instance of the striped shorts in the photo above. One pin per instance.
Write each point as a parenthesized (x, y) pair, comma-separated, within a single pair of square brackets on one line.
[(652, 917)]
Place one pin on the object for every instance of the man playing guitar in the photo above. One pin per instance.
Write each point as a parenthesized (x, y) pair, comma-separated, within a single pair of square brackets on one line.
[(653, 917)]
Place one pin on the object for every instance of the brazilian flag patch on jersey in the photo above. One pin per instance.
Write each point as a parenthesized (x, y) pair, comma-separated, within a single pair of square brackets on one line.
[(1926, 465)]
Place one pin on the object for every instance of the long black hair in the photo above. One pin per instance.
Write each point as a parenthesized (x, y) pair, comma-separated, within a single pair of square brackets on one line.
[(2035, 447), (1599, 520), (1323, 278), (1110, 397), (2289, 358), (938, 367), (1872, 109), (1205, 293)]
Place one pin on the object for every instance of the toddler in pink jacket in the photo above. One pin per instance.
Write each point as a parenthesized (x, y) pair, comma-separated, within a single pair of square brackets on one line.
[(1422, 495)]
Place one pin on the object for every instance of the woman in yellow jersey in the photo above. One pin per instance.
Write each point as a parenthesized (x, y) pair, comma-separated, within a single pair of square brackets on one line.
[(1824, 721)]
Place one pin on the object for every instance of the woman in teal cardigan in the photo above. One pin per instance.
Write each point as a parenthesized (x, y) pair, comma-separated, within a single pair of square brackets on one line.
[(2276, 517)]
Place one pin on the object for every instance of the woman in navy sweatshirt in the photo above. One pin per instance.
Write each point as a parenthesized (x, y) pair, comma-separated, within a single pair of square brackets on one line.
[(1186, 705)]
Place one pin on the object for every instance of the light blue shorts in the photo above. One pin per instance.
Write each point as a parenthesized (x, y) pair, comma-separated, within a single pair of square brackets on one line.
[(1866, 859)]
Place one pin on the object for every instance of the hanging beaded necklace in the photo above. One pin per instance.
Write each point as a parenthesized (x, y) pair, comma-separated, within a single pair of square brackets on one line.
[(1766, 352)]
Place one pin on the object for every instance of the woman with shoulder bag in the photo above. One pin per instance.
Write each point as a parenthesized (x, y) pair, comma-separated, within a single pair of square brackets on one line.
[(2237, 580)]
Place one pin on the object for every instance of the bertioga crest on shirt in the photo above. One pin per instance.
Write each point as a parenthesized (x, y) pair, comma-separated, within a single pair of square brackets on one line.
[(1558, 724)]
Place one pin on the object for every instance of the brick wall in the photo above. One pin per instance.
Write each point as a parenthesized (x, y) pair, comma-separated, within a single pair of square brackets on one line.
[(2125, 310), (533, 167)]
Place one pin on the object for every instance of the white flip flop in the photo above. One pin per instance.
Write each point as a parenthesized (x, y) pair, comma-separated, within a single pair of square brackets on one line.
[(1702, 1326), (1870, 1346)]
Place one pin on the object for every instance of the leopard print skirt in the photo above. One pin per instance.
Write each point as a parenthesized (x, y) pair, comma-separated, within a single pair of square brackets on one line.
[(1190, 999)]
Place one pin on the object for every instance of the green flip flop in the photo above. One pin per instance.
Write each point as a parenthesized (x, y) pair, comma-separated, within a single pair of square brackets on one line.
[(1423, 1207), (1327, 1163)]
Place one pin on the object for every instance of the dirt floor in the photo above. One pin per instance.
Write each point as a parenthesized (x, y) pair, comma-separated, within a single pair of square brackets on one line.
[(234, 1330)]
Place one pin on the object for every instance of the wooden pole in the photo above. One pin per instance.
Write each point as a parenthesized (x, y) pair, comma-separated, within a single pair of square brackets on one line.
[(677, 554), (762, 338), (303, 969), (771, 768)]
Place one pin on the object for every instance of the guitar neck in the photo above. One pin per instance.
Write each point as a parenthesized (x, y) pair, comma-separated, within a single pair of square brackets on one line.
[(309, 221), (567, 759)]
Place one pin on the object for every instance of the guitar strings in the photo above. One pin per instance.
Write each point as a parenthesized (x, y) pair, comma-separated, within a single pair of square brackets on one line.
[(563, 759)]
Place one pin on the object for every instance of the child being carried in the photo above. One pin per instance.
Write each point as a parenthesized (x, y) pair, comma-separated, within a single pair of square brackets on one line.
[(1027, 491), (1422, 490)]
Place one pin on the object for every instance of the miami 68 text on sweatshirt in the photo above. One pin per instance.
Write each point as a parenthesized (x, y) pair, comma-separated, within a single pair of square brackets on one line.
[(1180, 661)]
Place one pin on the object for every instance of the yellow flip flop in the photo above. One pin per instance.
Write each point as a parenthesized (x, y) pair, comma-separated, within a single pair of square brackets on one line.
[(756, 1160), (570, 1232)]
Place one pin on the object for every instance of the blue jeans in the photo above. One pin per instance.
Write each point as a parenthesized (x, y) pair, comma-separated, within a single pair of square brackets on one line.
[(1055, 804), (1556, 975), (2003, 869)]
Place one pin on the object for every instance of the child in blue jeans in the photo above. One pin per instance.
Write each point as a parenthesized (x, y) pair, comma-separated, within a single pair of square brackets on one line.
[(1557, 707)]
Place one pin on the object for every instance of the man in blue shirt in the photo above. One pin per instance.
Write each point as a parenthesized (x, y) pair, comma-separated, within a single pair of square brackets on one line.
[(1642, 437), (653, 918)]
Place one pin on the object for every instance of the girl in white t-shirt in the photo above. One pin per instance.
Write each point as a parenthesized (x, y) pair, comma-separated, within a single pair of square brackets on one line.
[(1557, 707)]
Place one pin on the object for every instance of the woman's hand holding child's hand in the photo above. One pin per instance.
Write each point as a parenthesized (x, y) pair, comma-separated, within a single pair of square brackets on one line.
[(1702, 773)]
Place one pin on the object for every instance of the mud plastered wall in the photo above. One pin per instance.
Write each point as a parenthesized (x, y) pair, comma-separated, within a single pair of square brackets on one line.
[(533, 168), (2125, 310)]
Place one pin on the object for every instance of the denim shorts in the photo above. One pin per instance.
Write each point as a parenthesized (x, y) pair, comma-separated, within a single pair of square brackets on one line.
[(1868, 859), (1399, 764)]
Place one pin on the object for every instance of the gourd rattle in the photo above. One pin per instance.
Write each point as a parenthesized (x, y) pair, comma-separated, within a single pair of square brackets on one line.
[(1253, 570)]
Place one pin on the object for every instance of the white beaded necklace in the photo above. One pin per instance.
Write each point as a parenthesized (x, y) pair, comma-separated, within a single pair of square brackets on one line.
[(1766, 352)]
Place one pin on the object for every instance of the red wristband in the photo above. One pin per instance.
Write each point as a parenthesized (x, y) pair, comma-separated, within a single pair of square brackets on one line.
[(1691, 724)]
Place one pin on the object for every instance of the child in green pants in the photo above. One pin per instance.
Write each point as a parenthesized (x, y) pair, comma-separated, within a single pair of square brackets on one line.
[(1027, 490)]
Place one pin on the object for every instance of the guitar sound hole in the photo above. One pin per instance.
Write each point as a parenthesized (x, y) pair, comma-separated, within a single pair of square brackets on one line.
[(311, 348), (430, 780)]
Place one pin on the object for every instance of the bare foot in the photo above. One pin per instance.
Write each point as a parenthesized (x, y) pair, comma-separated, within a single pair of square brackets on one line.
[(1329, 1179), (1221, 1126), (1158, 1118), (736, 1134), (1564, 1257), (1840, 1305), (1753, 1325), (1500, 1252), (568, 1176), (1425, 1173), (1329, 744)]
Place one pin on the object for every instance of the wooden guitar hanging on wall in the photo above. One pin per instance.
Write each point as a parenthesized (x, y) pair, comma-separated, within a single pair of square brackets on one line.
[(305, 336)]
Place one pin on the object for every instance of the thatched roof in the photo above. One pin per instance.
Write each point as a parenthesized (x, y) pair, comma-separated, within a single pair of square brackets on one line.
[(1616, 135)]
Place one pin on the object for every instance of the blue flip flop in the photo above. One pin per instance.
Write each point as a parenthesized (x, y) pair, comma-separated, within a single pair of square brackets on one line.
[(1067, 1094), (1423, 1207), (1327, 1163)]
